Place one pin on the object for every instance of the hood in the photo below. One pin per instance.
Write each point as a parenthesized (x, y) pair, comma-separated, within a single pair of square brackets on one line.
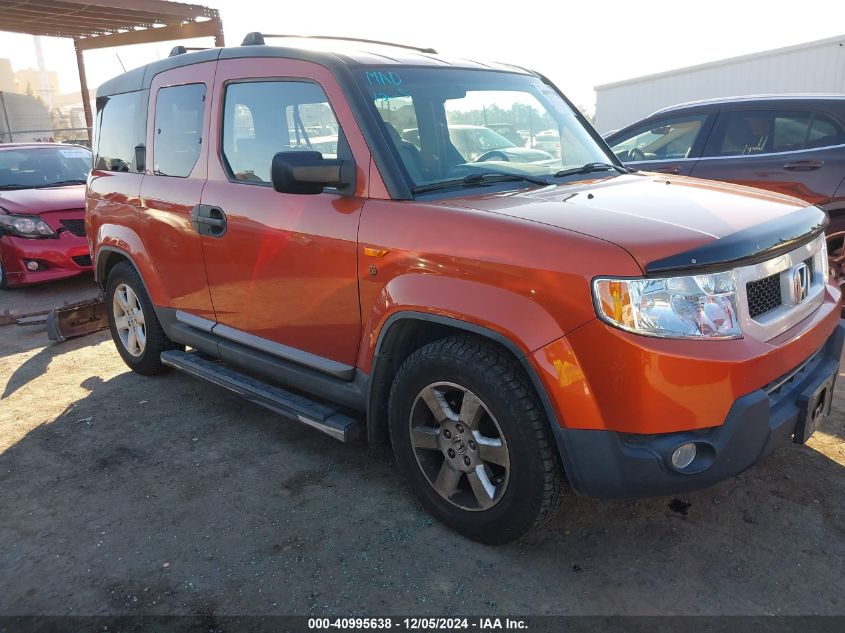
[(656, 217), (43, 200)]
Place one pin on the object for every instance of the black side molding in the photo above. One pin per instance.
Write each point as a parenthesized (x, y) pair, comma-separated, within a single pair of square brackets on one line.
[(748, 246)]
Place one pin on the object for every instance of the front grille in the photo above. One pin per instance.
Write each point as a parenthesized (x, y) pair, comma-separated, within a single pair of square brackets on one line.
[(763, 295), (77, 227), (82, 260)]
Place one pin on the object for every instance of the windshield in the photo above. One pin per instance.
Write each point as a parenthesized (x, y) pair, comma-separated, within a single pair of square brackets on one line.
[(448, 124), (33, 167)]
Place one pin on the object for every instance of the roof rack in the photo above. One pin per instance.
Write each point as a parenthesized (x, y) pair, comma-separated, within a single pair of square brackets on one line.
[(181, 50), (257, 38)]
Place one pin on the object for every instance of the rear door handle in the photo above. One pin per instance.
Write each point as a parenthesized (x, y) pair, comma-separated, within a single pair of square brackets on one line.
[(804, 165), (208, 220), (669, 170)]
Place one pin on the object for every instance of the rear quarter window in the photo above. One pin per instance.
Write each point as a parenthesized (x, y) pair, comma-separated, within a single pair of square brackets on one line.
[(120, 127)]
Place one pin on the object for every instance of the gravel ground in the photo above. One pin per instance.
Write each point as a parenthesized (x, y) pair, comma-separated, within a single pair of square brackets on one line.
[(121, 494)]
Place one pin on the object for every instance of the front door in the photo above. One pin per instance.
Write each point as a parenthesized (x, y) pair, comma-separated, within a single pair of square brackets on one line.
[(283, 273)]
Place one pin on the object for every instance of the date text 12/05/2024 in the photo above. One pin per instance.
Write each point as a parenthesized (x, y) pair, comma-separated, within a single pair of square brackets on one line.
[(419, 624)]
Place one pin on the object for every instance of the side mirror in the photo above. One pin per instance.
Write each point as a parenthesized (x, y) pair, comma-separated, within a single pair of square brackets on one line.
[(308, 172), (140, 158)]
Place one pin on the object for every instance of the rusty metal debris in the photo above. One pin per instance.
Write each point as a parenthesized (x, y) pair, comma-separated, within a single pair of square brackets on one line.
[(79, 319), (68, 321)]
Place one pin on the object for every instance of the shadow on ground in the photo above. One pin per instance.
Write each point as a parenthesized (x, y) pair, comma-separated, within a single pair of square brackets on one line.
[(37, 364), (38, 298), (166, 495)]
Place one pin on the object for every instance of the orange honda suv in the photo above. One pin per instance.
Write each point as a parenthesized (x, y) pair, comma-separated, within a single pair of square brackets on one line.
[(296, 224)]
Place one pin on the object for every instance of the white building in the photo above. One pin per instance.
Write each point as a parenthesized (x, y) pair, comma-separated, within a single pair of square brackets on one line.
[(814, 67)]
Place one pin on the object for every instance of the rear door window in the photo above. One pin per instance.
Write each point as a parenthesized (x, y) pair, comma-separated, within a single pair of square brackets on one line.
[(752, 132), (668, 139), (178, 129)]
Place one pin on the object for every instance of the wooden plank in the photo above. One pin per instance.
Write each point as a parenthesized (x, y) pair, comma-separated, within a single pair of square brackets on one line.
[(161, 34)]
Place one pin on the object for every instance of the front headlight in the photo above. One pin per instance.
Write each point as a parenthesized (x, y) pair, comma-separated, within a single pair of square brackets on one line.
[(25, 226), (824, 262), (698, 306)]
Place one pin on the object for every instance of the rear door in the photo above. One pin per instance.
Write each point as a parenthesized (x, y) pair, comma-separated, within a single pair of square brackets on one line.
[(798, 152), (177, 151), (283, 274), (669, 145)]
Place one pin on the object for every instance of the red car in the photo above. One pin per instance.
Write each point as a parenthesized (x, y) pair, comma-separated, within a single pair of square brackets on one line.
[(42, 213)]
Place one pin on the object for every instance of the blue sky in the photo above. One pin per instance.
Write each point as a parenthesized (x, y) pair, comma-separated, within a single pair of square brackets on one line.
[(577, 44)]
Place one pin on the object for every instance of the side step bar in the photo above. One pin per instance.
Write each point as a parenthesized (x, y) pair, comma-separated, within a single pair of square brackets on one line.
[(320, 416)]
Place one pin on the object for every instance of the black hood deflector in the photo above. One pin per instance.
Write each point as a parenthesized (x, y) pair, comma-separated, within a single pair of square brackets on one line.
[(748, 246)]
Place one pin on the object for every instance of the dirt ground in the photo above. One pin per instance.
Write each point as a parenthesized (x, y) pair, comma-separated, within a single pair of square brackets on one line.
[(121, 494)]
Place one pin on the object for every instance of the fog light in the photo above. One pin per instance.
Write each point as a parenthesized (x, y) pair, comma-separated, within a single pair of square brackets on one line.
[(32, 265), (683, 456)]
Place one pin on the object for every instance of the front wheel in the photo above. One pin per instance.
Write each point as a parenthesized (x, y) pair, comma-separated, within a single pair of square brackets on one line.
[(469, 433), (135, 329)]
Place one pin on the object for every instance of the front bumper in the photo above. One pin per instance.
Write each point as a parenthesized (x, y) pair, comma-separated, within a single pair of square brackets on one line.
[(58, 258), (614, 465)]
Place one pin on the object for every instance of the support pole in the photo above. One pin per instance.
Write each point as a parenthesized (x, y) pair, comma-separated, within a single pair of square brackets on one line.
[(83, 86), (218, 34), (6, 117)]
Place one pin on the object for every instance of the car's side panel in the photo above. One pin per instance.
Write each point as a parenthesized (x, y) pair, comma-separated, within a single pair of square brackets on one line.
[(815, 182), (166, 203), (508, 276), (111, 220), (116, 240)]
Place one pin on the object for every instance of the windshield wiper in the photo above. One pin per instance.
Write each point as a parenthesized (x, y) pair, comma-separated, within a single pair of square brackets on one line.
[(62, 183), (474, 180), (590, 168)]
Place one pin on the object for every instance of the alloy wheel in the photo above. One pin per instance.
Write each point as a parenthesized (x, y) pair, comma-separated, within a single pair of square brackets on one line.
[(459, 446), (129, 320)]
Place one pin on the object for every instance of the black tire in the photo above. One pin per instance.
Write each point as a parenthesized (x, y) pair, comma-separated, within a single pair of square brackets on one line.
[(148, 362), (533, 479)]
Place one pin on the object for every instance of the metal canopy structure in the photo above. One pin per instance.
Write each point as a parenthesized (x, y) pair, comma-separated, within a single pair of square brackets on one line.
[(104, 23)]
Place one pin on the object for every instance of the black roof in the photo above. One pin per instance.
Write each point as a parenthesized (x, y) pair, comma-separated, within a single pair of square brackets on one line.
[(341, 53)]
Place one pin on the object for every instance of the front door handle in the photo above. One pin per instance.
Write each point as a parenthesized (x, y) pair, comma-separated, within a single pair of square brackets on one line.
[(208, 220), (669, 170), (804, 165)]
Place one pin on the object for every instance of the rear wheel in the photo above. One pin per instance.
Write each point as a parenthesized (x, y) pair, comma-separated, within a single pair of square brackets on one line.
[(469, 433), (136, 332)]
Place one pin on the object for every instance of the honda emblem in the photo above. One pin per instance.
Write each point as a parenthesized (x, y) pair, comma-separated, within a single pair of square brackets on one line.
[(800, 283)]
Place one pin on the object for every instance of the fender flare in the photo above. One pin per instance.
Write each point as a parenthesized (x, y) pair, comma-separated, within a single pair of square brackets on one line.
[(471, 328), (100, 262)]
